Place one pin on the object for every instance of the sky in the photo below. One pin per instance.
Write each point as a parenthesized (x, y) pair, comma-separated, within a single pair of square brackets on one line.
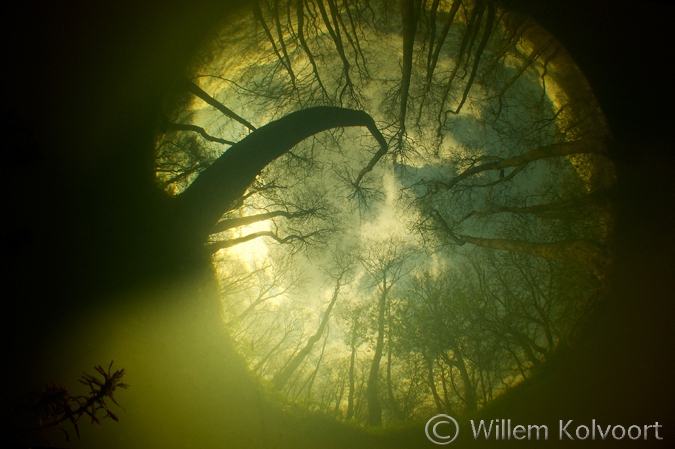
[(249, 79)]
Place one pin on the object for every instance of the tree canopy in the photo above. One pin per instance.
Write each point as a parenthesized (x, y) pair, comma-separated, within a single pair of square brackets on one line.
[(451, 150)]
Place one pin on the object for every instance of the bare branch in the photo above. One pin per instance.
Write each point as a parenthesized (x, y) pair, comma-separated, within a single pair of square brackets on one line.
[(590, 199), (197, 129), (549, 151), (305, 239), (197, 91), (231, 223)]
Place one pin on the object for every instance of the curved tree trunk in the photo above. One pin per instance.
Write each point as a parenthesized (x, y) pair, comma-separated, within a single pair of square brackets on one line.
[(231, 223), (221, 185)]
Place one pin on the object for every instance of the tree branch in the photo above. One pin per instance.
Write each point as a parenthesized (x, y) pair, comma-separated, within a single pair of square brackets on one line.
[(224, 225), (585, 251), (196, 129), (197, 91), (549, 151), (594, 198), (215, 246), (533, 57), (305, 47)]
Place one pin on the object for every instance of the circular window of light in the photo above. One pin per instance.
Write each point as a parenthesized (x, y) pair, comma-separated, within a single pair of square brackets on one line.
[(435, 252)]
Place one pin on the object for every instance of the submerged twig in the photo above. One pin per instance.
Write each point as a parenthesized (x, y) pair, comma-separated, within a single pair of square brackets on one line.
[(54, 405)]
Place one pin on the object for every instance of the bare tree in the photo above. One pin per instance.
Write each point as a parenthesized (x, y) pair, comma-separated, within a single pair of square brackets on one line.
[(340, 271), (385, 263)]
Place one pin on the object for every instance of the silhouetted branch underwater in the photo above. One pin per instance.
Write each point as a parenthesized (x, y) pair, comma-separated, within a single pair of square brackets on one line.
[(54, 405)]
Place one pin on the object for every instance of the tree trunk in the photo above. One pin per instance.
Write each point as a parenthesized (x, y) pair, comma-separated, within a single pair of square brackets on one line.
[(257, 13), (467, 41), (282, 377), (372, 393), (409, 16), (390, 386), (310, 381), (335, 34), (431, 380), (352, 362), (533, 57), (221, 185), (469, 392), (433, 59), (479, 53)]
